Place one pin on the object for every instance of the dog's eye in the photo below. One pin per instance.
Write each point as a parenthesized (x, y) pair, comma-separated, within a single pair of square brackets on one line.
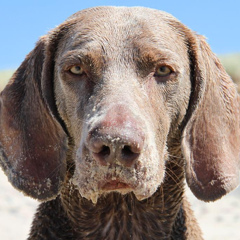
[(163, 71), (77, 70)]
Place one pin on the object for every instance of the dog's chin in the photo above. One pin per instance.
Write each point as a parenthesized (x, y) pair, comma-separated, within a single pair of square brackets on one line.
[(105, 189), (123, 189), (95, 197)]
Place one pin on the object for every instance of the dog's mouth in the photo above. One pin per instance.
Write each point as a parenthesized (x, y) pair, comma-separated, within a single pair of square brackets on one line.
[(115, 185)]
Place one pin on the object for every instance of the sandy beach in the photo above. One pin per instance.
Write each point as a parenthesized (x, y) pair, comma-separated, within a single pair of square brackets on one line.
[(218, 220)]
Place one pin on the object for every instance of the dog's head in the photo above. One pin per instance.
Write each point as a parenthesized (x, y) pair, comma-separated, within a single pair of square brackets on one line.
[(120, 84)]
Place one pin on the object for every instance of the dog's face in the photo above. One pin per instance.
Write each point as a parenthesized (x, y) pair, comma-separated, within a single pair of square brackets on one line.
[(120, 88), (117, 89)]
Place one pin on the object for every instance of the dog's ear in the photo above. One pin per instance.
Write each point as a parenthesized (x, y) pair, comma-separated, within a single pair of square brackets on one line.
[(33, 143), (211, 138)]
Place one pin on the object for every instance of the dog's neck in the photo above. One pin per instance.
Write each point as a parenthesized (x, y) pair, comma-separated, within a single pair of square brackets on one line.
[(117, 216)]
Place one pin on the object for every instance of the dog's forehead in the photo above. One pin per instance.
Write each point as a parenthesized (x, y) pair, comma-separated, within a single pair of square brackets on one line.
[(122, 26), (119, 13)]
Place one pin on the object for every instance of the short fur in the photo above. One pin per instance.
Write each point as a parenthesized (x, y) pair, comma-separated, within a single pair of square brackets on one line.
[(107, 151)]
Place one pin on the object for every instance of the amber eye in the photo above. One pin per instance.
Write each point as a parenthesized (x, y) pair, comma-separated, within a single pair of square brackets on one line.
[(77, 70), (163, 71)]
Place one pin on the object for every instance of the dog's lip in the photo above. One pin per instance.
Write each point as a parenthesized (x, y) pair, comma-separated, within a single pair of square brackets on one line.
[(115, 185)]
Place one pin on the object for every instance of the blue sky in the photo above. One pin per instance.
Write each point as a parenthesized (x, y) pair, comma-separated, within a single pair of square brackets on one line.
[(23, 22)]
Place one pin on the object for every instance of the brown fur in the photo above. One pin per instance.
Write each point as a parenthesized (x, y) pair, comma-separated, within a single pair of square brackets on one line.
[(107, 151)]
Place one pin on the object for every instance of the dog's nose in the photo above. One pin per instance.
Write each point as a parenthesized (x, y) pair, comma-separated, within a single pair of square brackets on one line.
[(109, 146), (117, 138)]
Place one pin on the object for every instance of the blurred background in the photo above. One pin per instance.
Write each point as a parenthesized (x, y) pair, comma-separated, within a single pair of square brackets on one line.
[(23, 22)]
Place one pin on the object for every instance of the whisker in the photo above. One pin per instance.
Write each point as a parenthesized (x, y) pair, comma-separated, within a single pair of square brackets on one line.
[(173, 176), (176, 163), (162, 194)]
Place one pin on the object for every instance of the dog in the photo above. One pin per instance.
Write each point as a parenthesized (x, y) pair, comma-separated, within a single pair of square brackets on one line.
[(106, 118)]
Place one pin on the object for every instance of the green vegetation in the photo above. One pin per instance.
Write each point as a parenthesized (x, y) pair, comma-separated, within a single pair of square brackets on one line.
[(5, 75), (231, 63)]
